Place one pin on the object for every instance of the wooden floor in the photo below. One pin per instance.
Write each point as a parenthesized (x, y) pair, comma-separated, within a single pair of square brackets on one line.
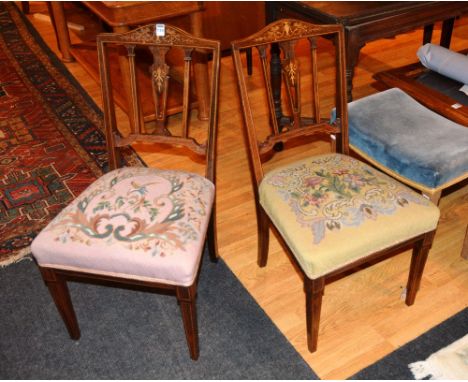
[(363, 317)]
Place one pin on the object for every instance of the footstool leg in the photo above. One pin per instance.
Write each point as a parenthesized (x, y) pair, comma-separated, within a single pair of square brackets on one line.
[(59, 290), (186, 297)]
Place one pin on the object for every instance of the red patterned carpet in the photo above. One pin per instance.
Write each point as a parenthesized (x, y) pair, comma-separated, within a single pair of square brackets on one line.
[(51, 145)]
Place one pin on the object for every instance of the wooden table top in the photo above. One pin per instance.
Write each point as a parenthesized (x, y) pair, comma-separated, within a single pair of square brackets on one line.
[(128, 13), (357, 12)]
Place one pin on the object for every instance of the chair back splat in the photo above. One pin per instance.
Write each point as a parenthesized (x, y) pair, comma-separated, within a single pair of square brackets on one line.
[(334, 213), (162, 49), (142, 227), (287, 36)]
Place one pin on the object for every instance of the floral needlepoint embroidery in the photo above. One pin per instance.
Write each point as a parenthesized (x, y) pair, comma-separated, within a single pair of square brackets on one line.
[(335, 191), (145, 212)]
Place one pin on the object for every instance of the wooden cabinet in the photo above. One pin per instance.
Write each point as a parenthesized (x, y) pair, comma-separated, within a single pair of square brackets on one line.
[(230, 20)]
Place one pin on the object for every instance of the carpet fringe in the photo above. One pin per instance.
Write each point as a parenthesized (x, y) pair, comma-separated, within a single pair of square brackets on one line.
[(23, 254), (450, 362), (423, 369)]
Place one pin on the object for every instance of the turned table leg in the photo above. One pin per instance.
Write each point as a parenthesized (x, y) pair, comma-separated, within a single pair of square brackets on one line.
[(63, 37)]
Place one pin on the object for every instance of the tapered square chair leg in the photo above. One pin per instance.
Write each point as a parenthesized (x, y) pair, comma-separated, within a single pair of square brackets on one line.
[(418, 261), (186, 298), (314, 292), (59, 291)]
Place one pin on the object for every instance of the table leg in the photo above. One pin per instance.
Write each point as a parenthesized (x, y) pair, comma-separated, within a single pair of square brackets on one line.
[(201, 71), (446, 35), (275, 76), (275, 65), (353, 48), (270, 12), (125, 75), (63, 37), (427, 36), (24, 7)]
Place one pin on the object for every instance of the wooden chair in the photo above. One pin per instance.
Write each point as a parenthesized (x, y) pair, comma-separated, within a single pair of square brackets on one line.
[(137, 226), (333, 212)]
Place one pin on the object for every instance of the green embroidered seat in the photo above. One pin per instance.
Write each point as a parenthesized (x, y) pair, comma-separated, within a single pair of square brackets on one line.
[(332, 210)]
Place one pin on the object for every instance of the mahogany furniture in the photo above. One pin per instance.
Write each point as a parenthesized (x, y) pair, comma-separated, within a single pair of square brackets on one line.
[(332, 212), (408, 141), (433, 90), (230, 20), (438, 93), (122, 16), (366, 21), (139, 227)]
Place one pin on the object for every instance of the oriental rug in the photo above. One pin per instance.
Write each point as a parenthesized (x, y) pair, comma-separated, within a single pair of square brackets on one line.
[(51, 141)]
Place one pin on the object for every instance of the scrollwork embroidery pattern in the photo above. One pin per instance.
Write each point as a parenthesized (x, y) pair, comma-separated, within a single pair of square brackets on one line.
[(125, 209)]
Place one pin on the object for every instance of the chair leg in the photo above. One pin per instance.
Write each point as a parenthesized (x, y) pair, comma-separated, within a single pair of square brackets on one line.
[(59, 291), (314, 292), (418, 261), (212, 237), (263, 236), (186, 297)]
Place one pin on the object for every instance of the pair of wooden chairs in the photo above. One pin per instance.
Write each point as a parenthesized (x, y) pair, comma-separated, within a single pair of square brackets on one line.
[(146, 227), (141, 227)]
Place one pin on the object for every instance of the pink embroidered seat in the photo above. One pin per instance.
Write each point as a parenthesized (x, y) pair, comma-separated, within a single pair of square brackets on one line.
[(138, 226), (334, 213), (135, 223)]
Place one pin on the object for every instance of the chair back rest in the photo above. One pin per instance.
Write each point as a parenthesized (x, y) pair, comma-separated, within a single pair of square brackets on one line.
[(289, 45), (160, 58)]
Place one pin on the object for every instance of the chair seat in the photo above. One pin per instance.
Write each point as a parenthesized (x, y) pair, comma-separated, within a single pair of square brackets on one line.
[(333, 210), (403, 135), (137, 223)]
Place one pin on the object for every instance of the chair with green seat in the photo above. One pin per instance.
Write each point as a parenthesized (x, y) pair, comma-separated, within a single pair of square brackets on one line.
[(333, 212)]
